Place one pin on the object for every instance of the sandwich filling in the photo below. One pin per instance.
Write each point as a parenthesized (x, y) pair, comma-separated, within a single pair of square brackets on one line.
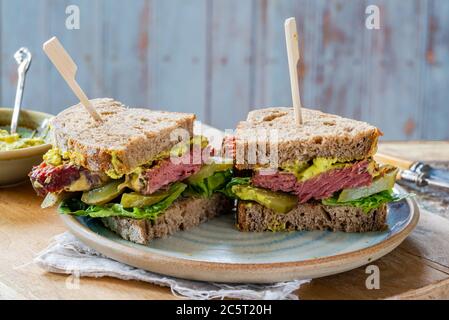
[(144, 193), (317, 186), (333, 182)]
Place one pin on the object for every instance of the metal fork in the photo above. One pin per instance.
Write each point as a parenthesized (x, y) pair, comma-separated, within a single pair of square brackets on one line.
[(23, 58)]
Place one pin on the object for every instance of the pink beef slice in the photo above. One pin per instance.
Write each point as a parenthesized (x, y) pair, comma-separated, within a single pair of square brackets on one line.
[(167, 172), (47, 178), (321, 186)]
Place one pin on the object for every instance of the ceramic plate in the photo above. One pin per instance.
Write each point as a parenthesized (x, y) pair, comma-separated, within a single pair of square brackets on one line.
[(216, 251)]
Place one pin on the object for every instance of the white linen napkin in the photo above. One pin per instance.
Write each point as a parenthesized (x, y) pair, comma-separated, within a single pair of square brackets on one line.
[(67, 255)]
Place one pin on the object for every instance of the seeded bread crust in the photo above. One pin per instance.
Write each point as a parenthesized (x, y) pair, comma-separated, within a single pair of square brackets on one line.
[(320, 135), (133, 135), (183, 214), (310, 216)]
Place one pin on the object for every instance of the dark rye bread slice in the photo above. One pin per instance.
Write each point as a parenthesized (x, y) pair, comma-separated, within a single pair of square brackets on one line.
[(133, 135), (320, 135), (183, 214), (310, 216)]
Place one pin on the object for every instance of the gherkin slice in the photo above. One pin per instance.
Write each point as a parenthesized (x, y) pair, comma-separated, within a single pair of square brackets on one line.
[(381, 183), (277, 201), (103, 194)]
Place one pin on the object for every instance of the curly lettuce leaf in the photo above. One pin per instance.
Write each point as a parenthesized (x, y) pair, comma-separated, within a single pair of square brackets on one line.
[(368, 203), (207, 186), (227, 190), (76, 207)]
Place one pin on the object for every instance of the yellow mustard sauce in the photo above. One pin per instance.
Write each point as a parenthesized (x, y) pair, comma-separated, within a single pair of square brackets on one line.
[(56, 157)]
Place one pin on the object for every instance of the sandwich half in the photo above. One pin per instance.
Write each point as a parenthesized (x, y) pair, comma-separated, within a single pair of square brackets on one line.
[(142, 172), (317, 176)]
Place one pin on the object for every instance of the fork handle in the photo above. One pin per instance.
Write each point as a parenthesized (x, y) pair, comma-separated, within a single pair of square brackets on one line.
[(17, 103)]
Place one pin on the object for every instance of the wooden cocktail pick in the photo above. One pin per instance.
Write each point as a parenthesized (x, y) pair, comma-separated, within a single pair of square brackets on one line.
[(291, 38), (67, 68)]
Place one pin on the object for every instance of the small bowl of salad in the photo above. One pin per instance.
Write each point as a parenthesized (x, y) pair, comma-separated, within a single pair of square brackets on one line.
[(21, 151)]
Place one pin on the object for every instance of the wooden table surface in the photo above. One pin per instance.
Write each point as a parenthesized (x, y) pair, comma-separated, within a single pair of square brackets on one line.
[(418, 268)]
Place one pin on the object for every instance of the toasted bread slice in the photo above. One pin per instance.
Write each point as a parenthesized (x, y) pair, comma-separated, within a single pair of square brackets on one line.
[(183, 214), (310, 216), (320, 135), (132, 136)]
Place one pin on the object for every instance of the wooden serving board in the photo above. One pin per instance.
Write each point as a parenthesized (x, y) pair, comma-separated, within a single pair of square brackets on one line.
[(418, 268)]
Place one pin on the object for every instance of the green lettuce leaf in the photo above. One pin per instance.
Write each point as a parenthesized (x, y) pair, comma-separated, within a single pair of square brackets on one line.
[(76, 207), (227, 190), (368, 203), (206, 187)]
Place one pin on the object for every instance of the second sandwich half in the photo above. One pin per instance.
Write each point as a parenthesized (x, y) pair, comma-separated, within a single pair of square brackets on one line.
[(324, 176)]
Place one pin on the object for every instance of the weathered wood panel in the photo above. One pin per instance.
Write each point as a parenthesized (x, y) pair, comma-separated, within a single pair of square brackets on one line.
[(22, 23), (177, 60), (229, 52), (435, 78), (340, 36), (271, 80), (222, 58), (126, 48), (394, 68), (86, 47), (1, 57)]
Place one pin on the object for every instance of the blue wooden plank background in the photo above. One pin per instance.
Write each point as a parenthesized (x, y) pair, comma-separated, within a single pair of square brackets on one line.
[(222, 58)]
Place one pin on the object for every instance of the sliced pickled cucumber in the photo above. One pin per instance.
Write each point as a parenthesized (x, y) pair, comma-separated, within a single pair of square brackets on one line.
[(278, 201), (381, 183), (137, 200), (103, 194), (208, 170)]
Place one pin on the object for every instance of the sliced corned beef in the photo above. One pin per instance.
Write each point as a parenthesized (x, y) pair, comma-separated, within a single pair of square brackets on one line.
[(47, 178), (168, 171), (319, 187)]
